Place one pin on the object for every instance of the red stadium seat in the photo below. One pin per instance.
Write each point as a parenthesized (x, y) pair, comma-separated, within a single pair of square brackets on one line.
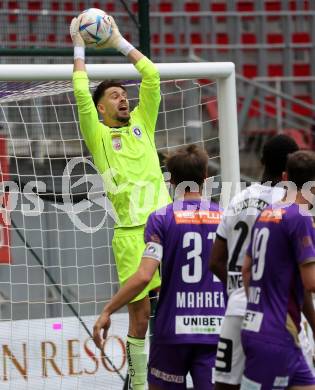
[(135, 8), (109, 7), (303, 110), (301, 37), (13, 7), (156, 41), (32, 38), (33, 6), (12, 38), (222, 39), (212, 108), (273, 6), (166, 6), (169, 39), (191, 7), (67, 39), (51, 39), (270, 106), (250, 70), (55, 8), (275, 70), (293, 5), (218, 7), (254, 110), (82, 6), (245, 6), (196, 39), (301, 69), (69, 7), (274, 38), (248, 38)]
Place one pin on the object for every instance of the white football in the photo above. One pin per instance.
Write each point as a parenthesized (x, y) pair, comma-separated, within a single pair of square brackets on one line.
[(95, 27)]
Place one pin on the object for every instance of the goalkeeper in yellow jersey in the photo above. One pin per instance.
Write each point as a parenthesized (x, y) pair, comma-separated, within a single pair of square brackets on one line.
[(124, 151)]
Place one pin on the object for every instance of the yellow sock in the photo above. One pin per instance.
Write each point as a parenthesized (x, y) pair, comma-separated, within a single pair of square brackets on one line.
[(137, 362)]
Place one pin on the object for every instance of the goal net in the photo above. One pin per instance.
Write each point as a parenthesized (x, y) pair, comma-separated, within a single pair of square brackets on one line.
[(57, 268)]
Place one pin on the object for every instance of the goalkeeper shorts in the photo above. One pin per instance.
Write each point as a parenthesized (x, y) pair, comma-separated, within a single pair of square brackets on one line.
[(128, 247)]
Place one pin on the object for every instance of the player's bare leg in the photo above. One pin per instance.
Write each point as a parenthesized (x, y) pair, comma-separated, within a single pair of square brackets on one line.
[(139, 315)]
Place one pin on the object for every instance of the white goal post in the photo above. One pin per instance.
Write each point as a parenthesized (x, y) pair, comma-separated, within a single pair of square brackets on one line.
[(222, 72)]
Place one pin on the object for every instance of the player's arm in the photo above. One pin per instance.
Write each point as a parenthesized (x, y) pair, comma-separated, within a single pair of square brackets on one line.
[(307, 272), (246, 271), (150, 261), (219, 259), (135, 284), (308, 310), (149, 95), (301, 233), (88, 116)]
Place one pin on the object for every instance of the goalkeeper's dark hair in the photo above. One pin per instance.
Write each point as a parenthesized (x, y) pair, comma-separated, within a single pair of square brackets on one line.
[(101, 88), (274, 156), (187, 163), (301, 167)]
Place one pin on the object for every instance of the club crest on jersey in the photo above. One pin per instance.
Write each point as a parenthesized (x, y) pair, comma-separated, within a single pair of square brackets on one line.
[(116, 142), (137, 132)]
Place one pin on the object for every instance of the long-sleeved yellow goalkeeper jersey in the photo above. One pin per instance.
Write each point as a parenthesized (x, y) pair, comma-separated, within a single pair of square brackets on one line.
[(126, 157)]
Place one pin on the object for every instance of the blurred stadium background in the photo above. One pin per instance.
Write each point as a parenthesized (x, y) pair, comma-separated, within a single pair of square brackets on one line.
[(271, 42)]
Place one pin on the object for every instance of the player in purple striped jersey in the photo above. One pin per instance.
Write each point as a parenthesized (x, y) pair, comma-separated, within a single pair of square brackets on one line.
[(191, 303), (279, 265), (232, 239)]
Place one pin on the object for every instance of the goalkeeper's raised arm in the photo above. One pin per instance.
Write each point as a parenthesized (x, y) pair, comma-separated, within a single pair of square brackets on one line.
[(122, 144), (149, 96)]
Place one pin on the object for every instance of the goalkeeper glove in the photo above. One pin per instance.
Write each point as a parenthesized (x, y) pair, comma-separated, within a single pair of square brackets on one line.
[(116, 41), (78, 42), (75, 34)]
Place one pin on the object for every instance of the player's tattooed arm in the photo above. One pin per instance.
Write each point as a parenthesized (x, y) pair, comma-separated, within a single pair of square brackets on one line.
[(219, 259), (247, 264)]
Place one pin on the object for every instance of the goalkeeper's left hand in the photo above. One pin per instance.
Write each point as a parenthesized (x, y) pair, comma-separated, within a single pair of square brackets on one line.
[(115, 39), (75, 34)]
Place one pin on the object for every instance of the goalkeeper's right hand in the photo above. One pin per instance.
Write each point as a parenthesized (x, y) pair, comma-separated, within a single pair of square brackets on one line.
[(75, 34)]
